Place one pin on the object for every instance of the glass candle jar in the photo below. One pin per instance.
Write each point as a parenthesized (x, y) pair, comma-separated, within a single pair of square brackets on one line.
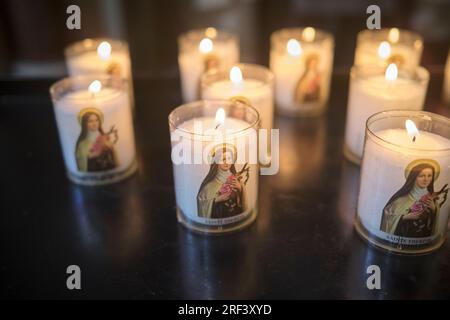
[(93, 116), (446, 89), (389, 45), (215, 167), (302, 61), (374, 89), (202, 50), (403, 205), (101, 56), (249, 83)]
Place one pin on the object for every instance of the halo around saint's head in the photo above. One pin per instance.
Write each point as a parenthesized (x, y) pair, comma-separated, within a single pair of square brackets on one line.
[(433, 163), (240, 99), (91, 110), (216, 154)]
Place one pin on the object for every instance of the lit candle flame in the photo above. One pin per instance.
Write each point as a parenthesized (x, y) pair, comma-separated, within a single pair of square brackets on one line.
[(95, 87), (206, 45), (294, 48), (412, 130), (104, 50), (391, 73), (394, 35), (236, 75), (211, 32), (384, 50), (220, 117), (309, 34)]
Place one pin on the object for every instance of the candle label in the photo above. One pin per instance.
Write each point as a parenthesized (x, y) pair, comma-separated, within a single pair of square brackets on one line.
[(398, 59), (210, 62), (114, 69), (95, 147), (227, 193), (308, 88), (412, 214)]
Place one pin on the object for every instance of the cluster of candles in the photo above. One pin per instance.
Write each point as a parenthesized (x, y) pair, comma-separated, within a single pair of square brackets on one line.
[(385, 127)]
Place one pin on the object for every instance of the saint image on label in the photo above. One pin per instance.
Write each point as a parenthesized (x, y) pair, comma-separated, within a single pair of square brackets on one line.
[(308, 87), (237, 110), (222, 192), (114, 69), (413, 211), (397, 59), (94, 150)]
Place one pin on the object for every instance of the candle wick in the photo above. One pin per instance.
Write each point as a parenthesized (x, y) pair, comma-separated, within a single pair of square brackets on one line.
[(414, 139), (218, 125)]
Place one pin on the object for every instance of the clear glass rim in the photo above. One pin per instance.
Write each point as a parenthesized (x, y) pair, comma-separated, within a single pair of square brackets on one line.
[(419, 74), (407, 114), (91, 44), (284, 34), (88, 79), (224, 72), (194, 104), (406, 36)]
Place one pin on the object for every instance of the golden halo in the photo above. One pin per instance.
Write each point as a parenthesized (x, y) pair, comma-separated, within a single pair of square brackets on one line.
[(240, 99), (227, 147), (90, 109), (433, 163)]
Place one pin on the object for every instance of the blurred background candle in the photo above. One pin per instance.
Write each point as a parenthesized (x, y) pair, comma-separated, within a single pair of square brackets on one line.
[(446, 89), (218, 193), (301, 60), (389, 45), (403, 205), (95, 127), (247, 83), (100, 56), (375, 89), (202, 50)]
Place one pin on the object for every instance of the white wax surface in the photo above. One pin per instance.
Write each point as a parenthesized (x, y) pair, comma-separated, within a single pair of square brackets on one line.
[(257, 92), (288, 70), (192, 67), (383, 173), (367, 54), (115, 107), (376, 94), (189, 177)]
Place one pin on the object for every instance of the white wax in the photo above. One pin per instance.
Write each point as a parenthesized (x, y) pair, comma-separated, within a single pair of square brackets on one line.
[(257, 92), (192, 66), (383, 174), (115, 107), (376, 94), (189, 177), (367, 54), (289, 69)]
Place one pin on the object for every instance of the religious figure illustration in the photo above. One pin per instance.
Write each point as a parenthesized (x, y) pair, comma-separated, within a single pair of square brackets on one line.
[(238, 109), (211, 61), (308, 87), (222, 192), (413, 211), (94, 149), (397, 59)]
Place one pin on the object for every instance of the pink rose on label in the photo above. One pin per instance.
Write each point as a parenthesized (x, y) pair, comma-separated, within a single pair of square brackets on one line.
[(225, 188), (417, 207)]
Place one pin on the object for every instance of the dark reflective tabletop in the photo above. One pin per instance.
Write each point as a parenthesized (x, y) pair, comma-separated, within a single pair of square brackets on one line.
[(128, 244)]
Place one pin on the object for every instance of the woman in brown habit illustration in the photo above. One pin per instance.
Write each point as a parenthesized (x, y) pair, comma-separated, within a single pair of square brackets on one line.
[(413, 211), (94, 149), (222, 192), (308, 87)]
